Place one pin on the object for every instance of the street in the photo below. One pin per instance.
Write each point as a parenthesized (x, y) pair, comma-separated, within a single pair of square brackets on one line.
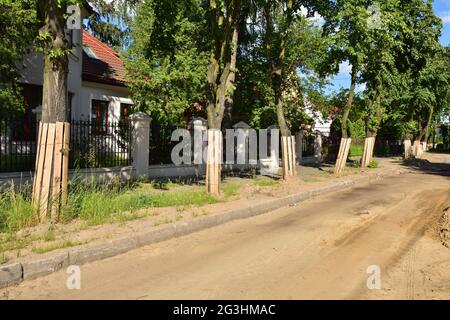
[(319, 249)]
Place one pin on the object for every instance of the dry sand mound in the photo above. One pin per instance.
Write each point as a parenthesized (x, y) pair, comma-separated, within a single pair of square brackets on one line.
[(444, 228)]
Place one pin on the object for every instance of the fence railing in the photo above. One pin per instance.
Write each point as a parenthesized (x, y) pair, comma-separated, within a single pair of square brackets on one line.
[(92, 145), (17, 144)]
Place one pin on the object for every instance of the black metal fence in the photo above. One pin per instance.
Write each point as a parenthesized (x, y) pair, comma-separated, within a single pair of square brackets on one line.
[(17, 143), (92, 145), (161, 146)]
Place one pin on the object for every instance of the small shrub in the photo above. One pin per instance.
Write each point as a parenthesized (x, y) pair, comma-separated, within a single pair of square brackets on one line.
[(356, 164), (373, 164)]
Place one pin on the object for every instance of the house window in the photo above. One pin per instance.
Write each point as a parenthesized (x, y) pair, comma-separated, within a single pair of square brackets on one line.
[(32, 95), (99, 116), (125, 109)]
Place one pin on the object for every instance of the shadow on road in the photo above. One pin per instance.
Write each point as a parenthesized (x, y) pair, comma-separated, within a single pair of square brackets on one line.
[(428, 167)]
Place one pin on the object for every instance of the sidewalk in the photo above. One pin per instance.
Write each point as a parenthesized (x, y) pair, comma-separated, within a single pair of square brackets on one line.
[(105, 241)]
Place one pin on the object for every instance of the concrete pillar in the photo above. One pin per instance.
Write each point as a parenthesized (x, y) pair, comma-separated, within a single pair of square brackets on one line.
[(199, 127), (318, 147), (299, 146), (140, 140)]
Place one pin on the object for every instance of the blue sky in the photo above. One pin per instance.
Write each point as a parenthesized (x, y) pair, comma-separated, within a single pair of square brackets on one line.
[(442, 9)]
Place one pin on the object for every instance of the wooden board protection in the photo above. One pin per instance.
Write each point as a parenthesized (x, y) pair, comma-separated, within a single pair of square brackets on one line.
[(65, 165), (52, 168), (344, 149), (369, 145), (47, 173), (407, 149), (213, 166)]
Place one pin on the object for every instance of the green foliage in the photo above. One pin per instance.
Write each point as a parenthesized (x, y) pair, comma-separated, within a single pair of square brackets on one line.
[(111, 21), (167, 60), (305, 47), (17, 29), (373, 164)]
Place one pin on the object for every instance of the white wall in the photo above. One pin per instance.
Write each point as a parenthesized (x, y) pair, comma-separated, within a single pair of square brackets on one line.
[(95, 91), (33, 67), (83, 92)]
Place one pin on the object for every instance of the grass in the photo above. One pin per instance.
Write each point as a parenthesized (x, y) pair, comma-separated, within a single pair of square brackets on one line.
[(373, 164), (265, 182), (110, 202), (230, 189), (3, 258), (356, 150), (199, 213), (120, 203), (49, 235), (16, 211), (91, 204), (162, 222), (57, 245)]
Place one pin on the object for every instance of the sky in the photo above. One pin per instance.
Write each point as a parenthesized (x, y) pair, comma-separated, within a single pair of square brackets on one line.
[(442, 9)]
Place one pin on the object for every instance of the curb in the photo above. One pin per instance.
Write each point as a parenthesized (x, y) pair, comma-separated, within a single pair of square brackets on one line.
[(16, 272)]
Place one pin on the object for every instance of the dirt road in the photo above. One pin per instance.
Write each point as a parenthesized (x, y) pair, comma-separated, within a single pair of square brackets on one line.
[(319, 249)]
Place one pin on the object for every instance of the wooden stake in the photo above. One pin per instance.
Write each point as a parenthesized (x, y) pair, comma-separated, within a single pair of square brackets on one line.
[(46, 180), (65, 165), (38, 155)]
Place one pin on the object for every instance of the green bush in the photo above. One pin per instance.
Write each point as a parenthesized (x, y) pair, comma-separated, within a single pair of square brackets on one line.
[(373, 164)]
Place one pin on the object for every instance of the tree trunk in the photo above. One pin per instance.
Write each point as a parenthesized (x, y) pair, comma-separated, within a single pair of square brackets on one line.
[(349, 104), (229, 101), (56, 69), (346, 141), (428, 126), (278, 73), (371, 135), (221, 77), (51, 172)]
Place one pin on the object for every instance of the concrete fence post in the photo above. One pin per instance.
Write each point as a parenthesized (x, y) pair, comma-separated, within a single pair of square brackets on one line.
[(299, 146), (318, 147), (140, 143)]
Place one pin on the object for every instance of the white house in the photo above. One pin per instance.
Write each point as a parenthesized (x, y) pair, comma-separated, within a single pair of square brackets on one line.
[(96, 81), (321, 124)]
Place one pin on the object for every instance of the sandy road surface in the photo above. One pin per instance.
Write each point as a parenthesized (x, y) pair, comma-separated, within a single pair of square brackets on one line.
[(318, 249)]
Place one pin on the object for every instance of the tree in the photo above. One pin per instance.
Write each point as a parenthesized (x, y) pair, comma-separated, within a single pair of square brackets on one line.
[(380, 69), (111, 20), (50, 191), (410, 98), (167, 60), (291, 45), (347, 28), (224, 20), (18, 29)]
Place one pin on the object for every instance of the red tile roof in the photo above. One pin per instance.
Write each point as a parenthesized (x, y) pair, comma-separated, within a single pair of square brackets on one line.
[(108, 68)]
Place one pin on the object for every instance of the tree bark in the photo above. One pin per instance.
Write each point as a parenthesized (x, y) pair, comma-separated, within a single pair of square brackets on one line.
[(56, 68), (428, 125), (229, 100), (349, 104)]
